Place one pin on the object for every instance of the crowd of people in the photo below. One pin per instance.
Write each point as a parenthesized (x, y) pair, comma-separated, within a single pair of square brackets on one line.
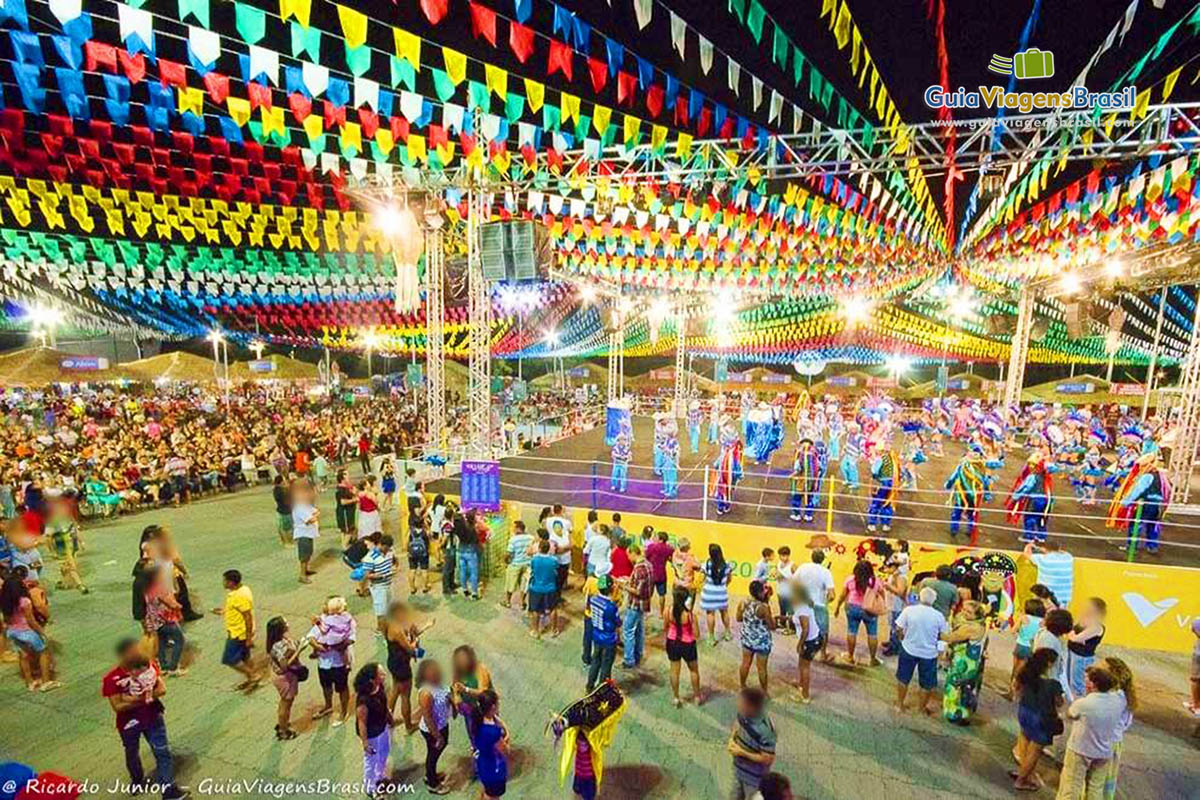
[(631, 585)]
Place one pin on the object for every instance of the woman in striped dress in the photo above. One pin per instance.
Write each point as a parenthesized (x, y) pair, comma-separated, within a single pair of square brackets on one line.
[(714, 596)]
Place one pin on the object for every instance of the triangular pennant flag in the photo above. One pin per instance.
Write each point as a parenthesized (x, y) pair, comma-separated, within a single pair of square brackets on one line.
[(678, 33), (496, 79), (408, 47), (456, 65), (520, 39), (483, 22), (251, 23), (354, 26), (643, 10), (706, 54), (435, 10), (535, 93), (755, 17), (757, 86), (735, 77)]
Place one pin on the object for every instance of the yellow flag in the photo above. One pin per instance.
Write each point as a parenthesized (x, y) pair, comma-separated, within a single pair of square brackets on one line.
[(496, 79), (297, 8), (601, 117), (570, 107), (841, 26), (456, 65), (314, 125), (1141, 105), (352, 136), (535, 94), (191, 99), (1169, 84), (828, 7), (658, 136), (239, 109), (416, 147), (408, 47), (683, 145), (633, 126), (354, 26), (384, 139), (272, 121)]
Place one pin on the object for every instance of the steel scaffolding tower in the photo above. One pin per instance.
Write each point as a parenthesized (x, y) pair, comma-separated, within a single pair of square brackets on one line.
[(680, 346), (1184, 451), (435, 342), (1019, 352), (479, 310)]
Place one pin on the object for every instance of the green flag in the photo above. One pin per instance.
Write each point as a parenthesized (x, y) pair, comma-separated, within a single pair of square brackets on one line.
[(780, 48), (442, 85), (251, 22), (754, 20)]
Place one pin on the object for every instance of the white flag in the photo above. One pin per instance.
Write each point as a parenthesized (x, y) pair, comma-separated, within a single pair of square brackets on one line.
[(757, 86), (735, 77), (706, 54), (678, 33), (264, 62), (643, 9), (776, 107)]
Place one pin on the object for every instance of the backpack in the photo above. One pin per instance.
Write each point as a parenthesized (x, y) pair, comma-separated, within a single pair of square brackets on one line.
[(417, 546)]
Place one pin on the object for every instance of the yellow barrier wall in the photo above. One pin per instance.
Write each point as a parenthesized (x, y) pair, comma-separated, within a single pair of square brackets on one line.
[(1149, 606)]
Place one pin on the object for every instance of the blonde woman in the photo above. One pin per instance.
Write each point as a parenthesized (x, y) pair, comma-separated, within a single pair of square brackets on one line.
[(1123, 678)]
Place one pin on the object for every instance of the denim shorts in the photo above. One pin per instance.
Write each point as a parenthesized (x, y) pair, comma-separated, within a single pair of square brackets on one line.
[(27, 640), (235, 653), (926, 669), (855, 615)]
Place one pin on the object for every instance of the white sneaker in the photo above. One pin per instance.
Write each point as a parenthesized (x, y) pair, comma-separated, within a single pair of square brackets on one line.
[(871, 528)]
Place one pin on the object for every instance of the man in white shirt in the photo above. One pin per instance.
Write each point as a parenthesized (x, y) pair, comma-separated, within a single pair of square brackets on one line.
[(920, 627), (305, 526), (1099, 721), (560, 539), (817, 580)]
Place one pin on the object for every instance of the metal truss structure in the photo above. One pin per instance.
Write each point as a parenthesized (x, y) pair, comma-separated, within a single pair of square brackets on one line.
[(1187, 437), (680, 407), (435, 341), (1019, 352), (479, 313)]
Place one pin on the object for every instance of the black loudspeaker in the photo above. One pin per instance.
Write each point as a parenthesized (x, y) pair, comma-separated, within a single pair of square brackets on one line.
[(514, 251)]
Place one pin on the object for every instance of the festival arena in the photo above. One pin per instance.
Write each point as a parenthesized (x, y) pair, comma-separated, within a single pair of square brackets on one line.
[(606, 399)]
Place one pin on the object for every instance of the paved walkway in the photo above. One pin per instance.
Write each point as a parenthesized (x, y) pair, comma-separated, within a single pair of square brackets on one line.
[(847, 744)]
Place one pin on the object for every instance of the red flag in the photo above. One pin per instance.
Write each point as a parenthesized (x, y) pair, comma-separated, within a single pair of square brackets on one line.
[(654, 100), (561, 58), (434, 10), (520, 39), (171, 73), (483, 22), (218, 87), (259, 95), (599, 71), (369, 121), (301, 106), (134, 66), (626, 85), (97, 54)]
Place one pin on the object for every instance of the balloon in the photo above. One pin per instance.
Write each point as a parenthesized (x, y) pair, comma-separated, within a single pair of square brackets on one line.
[(52, 786)]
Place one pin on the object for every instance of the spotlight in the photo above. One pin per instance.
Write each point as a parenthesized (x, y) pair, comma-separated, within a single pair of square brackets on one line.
[(551, 337), (856, 309), (1070, 283), (1114, 268), (587, 293)]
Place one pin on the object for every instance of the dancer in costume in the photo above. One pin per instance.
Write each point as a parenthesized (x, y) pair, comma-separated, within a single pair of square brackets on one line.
[(765, 435), (852, 452), (1032, 498), (969, 484), (670, 459), (694, 419), (808, 468), (834, 431), (660, 438), (622, 451), (728, 467), (885, 471), (586, 728), (1141, 502), (1094, 467), (747, 407), (714, 418)]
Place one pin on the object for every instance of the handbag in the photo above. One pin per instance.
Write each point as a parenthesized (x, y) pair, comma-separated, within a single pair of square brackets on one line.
[(300, 671), (873, 602)]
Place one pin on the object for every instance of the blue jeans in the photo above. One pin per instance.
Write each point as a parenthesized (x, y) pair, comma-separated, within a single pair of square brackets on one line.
[(633, 630), (712, 432), (694, 437), (1149, 527), (601, 667), (587, 640), (850, 472), (880, 511), (1035, 518), (170, 646), (620, 476), (958, 513), (670, 478), (468, 569), (659, 457), (156, 737)]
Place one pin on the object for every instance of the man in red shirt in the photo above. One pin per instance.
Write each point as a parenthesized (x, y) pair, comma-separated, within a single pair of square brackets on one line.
[(133, 688), (659, 553)]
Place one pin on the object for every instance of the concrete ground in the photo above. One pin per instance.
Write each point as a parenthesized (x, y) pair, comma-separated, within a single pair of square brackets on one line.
[(577, 469), (846, 744)]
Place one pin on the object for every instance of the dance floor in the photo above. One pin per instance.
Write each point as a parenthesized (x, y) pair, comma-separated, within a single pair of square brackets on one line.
[(846, 744), (576, 470)]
